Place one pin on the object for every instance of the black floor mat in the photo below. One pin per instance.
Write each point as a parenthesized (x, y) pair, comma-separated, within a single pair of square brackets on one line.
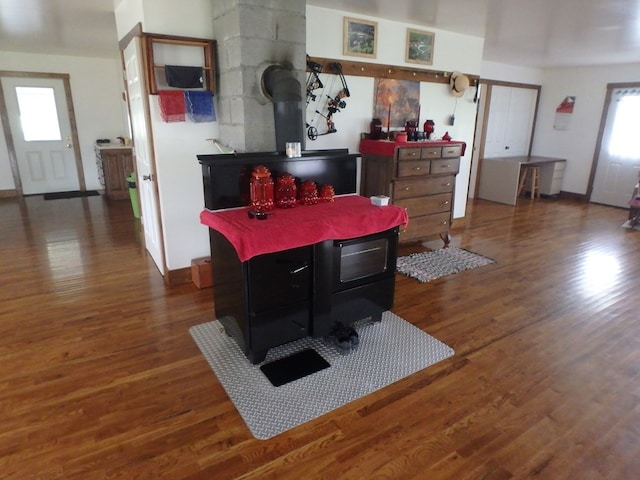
[(72, 194), (294, 367)]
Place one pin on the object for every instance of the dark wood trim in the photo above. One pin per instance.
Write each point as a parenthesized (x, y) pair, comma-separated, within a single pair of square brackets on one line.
[(136, 31), (396, 72), (580, 197), (8, 138), (8, 193), (502, 83), (179, 276), (82, 184)]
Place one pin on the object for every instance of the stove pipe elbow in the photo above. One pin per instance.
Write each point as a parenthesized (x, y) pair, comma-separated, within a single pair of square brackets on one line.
[(281, 85)]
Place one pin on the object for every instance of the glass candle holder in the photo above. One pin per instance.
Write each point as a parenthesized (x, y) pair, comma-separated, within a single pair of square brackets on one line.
[(286, 191), (327, 193), (308, 193), (261, 189)]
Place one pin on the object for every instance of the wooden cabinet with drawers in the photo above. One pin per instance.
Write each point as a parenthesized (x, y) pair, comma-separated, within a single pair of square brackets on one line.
[(114, 163), (420, 178)]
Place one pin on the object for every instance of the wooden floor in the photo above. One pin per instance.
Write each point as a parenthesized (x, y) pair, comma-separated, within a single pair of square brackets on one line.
[(99, 377)]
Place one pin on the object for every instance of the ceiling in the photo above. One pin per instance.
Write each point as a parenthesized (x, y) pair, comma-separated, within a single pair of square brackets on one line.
[(536, 33)]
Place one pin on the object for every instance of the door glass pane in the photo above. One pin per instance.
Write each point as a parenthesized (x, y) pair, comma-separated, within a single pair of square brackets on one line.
[(625, 142), (38, 114)]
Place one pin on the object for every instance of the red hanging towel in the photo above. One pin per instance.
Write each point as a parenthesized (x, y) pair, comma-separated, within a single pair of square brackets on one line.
[(172, 105)]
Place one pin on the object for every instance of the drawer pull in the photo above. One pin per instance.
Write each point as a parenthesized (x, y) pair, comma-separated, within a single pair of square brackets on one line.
[(299, 269), (417, 168), (448, 184), (406, 189), (446, 202), (445, 166), (445, 222)]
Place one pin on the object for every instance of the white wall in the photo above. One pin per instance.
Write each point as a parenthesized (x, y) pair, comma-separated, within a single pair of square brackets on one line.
[(511, 73), (96, 88), (578, 143), (176, 144), (451, 52)]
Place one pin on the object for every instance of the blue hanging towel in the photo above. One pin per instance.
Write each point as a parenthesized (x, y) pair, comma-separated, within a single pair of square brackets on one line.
[(200, 106)]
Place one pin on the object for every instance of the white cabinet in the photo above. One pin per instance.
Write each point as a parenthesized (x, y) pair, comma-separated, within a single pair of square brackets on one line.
[(510, 121), (551, 178)]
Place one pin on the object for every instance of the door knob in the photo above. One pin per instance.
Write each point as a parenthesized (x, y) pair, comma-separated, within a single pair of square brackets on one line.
[(146, 177)]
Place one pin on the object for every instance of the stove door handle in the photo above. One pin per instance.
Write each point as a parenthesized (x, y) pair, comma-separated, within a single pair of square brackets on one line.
[(299, 269)]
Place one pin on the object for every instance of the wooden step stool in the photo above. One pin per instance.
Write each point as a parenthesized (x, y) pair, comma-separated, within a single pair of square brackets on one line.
[(532, 174)]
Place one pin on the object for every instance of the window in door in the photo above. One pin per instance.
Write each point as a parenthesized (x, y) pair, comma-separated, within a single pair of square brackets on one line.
[(38, 114), (625, 142)]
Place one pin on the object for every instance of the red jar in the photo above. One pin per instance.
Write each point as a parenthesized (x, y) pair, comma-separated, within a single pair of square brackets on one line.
[(261, 189), (308, 193), (286, 191), (327, 193), (429, 127)]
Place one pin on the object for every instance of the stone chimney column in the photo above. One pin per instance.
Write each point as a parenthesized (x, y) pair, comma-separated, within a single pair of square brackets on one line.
[(252, 35)]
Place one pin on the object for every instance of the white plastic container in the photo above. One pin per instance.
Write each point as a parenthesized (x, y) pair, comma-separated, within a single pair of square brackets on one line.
[(380, 200)]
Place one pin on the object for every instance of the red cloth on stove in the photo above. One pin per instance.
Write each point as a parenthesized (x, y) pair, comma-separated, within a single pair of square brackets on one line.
[(346, 217)]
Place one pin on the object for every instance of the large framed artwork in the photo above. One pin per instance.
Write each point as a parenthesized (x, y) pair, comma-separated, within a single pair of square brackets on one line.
[(419, 48), (396, 101), (360, 37)]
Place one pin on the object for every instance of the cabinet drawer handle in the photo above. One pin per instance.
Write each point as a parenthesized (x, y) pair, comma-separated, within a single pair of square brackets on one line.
[(446, 202), (416, 168), (444, 222), (406, 189), (445, 184), (445, 166)]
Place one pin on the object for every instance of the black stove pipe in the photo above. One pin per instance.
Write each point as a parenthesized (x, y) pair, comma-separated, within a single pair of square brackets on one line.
[(285, 92)]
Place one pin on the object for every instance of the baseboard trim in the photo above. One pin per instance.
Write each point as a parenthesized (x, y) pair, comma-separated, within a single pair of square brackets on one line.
[(8, 193), (179, 276), (579, 197)]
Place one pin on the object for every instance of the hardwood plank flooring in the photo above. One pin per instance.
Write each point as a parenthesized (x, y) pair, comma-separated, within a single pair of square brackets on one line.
[(99, 377)]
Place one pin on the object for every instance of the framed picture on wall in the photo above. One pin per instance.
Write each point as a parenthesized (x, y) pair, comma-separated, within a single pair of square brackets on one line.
[(419, 47), (360, 37)]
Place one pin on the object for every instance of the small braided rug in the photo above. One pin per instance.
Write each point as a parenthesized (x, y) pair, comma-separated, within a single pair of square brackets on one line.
[(427, 266)]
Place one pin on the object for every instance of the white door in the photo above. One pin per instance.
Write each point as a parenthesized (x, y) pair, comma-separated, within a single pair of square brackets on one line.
[(41, 132), (510, 121), (140, 127), (619, 157)]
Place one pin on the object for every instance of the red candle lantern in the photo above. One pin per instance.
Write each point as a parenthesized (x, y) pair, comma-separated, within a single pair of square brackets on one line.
[(261, 189), (308, 193), (286, 191), (327, 193)]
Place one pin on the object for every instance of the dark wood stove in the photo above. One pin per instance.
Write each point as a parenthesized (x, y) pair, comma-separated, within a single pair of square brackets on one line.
[(276, 297)]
